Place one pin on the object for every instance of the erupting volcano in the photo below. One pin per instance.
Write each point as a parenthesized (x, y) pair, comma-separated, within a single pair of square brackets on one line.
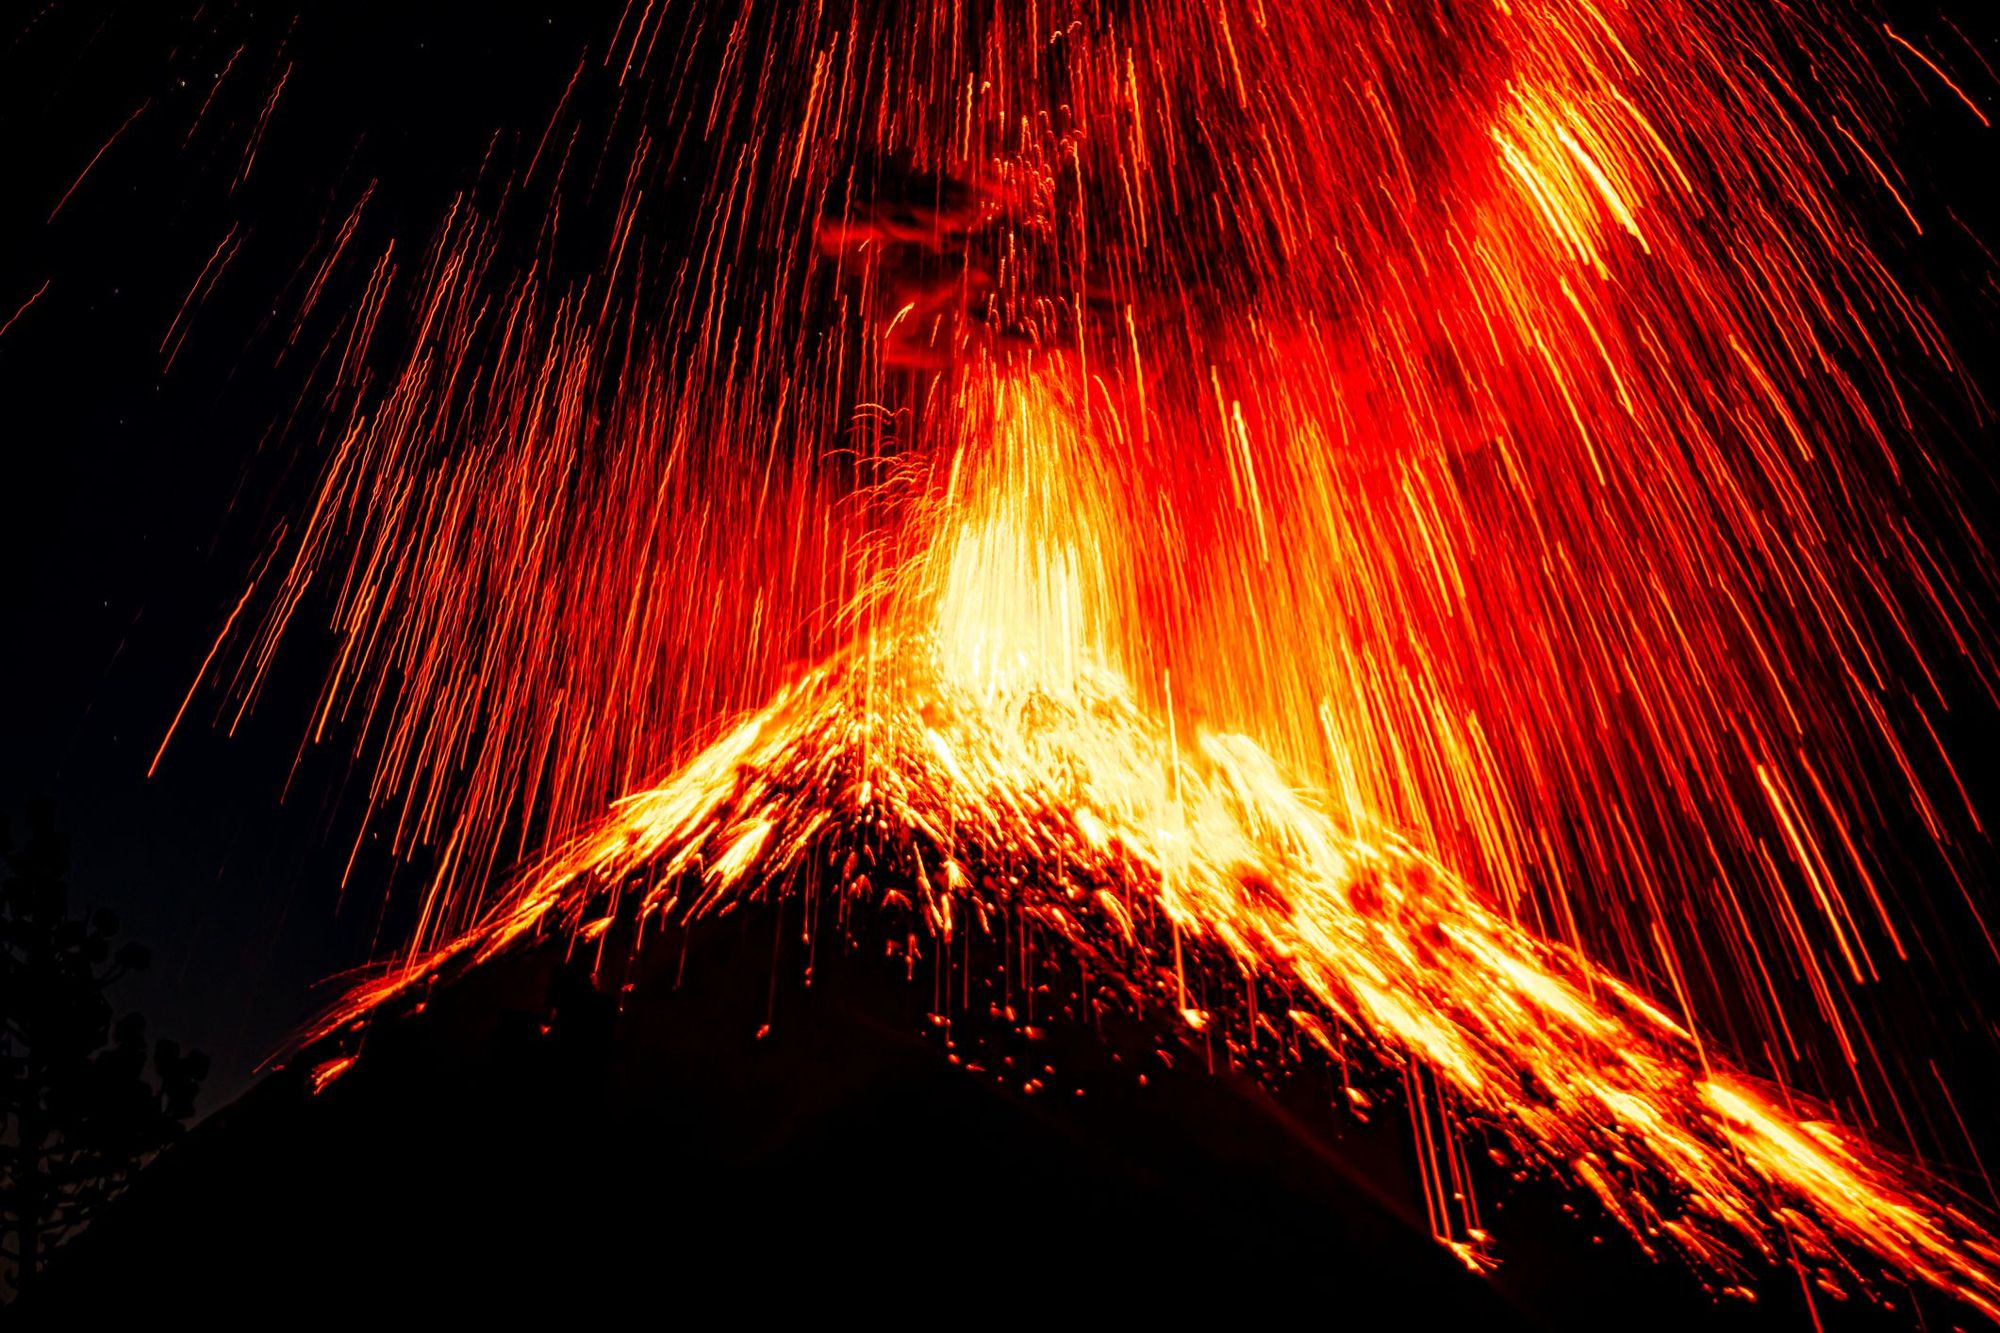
[(1382, 533)]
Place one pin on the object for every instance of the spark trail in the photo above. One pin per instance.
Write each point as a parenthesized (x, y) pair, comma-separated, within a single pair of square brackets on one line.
[(1497, 410), (996, 765)]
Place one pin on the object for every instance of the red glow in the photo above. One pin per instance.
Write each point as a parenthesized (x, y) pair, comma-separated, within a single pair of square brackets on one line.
[(1403, 500)]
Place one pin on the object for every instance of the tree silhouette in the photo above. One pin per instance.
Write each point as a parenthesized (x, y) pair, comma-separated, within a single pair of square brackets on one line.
[(81, 1114)]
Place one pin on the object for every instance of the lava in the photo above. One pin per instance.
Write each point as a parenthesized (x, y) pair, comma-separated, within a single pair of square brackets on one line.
[(1414, 503), (995, 761)]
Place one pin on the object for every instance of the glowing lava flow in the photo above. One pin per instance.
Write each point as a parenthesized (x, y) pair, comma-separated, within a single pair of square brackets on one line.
[(1497, 407), (992, 763)]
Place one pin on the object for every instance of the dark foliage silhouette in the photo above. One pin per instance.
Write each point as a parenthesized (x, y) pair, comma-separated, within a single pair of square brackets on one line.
[(86, 1102)]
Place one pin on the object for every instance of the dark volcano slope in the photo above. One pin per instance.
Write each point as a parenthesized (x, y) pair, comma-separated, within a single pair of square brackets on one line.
[(526, 1147)]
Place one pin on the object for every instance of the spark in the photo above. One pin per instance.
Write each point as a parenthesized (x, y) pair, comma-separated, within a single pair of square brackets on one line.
[(95, 158), (1409, 503), (27, 305), (1000, 765)]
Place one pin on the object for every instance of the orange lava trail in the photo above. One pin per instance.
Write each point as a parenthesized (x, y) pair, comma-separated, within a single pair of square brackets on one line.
[(1496, 408)]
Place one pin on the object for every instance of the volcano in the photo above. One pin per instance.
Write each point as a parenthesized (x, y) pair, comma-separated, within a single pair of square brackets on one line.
[(713, 1129)]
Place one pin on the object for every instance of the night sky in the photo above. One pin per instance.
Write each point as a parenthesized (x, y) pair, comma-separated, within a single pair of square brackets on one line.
[(138, 482), (143, 463)]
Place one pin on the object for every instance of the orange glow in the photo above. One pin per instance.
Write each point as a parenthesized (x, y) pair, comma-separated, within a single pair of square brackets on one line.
[(995, 740), (1410, 503)]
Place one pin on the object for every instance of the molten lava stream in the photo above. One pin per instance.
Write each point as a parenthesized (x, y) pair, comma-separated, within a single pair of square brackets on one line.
[(983, 753)]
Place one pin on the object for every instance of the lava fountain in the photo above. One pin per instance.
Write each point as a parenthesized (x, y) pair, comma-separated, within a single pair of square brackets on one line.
[(1410, 504), (985, 752)]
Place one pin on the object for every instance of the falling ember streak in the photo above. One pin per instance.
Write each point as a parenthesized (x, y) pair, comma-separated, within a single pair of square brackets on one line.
[(996, 740), (7, 325), (1942, 77), (95, 158), (153, 768), (1490, 408)]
